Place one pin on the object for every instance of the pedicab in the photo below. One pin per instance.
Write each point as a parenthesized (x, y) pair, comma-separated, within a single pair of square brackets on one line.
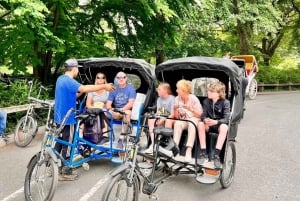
[(249, 64), (42, 171), (143, 172)]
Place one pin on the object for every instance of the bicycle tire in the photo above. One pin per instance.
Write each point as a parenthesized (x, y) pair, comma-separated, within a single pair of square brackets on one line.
[(41, 180), (25, 131), (252, 89), (228, 166), (118, 188)]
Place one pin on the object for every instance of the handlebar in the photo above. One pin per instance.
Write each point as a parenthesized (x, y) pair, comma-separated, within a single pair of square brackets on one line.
[(44, 88), (42, 102), (119, 111), (62, 125)]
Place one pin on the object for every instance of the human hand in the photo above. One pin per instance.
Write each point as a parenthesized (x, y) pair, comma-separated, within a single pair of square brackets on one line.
[(109, 87), (210, 122)]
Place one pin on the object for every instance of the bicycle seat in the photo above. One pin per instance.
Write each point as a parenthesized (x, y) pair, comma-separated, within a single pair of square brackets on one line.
[(167, 132), (94, 111), (81, 116)]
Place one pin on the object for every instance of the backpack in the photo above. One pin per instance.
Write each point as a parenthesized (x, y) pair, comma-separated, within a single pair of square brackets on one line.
[(93, 129)]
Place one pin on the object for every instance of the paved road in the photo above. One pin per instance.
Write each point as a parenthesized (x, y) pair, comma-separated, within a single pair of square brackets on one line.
[(268, 163)]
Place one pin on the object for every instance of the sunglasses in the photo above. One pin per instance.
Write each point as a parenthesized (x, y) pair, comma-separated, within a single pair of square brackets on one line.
[(119, 78), (100, 77)]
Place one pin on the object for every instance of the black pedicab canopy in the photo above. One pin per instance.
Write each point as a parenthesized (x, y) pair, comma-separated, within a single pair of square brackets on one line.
[(190, 68), (193, 67), (111, 66)]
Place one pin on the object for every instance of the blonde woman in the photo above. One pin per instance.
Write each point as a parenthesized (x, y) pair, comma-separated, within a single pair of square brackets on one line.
[(187, 107), (98, 98), (215, 118), (165, 105)]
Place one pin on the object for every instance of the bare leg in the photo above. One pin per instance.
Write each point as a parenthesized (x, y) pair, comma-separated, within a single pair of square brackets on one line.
[(202, 135), (222, 136)]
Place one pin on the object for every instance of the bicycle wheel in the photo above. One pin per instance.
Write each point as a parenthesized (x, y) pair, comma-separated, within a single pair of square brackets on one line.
[(41, 179), (228, 165), (25, 131), (118, 188), (252, 89)]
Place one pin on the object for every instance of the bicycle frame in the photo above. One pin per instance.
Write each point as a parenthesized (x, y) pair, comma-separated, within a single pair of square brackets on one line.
[(32, 102), (169, 166), (78, 141)]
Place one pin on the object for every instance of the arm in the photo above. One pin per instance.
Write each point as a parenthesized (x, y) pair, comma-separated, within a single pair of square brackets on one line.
[(226, 113), (129, 105), (108, 105), (91, 88), (205, 106), (89, 101)]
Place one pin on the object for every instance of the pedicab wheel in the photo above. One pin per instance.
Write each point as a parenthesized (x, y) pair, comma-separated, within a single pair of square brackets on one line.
[(25, 131), (41, 179), (119, 188), (228, 165), (252, 89)]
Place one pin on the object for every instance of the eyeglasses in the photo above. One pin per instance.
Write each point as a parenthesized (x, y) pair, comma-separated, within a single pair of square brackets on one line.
[(100, 77), (121, 78)]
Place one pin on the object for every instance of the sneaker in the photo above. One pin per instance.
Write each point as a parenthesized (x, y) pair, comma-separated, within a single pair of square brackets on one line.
[(149, 150), (68, 170), (165, 152), (217, 161), (67, 177), (188, 159), (4, 137), (202, 158)]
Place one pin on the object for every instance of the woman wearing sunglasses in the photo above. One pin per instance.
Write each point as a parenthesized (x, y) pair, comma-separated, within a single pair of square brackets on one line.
[(98, 99)]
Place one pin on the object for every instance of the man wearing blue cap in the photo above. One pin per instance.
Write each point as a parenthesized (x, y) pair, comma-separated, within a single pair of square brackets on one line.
[(67, 90)]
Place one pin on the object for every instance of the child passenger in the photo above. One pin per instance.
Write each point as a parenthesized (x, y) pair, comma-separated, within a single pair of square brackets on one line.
[(215, 118), (164, 104)]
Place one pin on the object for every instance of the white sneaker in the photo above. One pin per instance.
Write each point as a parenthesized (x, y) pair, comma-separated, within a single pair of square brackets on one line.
[(165, 152), (149, 150)]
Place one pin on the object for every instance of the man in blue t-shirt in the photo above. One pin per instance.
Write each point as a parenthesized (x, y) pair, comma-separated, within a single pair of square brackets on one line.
[(67, 89), (122, 97)]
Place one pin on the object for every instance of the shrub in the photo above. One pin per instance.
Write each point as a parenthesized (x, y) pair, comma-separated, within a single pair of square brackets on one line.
[(273, 75), (16, 94)]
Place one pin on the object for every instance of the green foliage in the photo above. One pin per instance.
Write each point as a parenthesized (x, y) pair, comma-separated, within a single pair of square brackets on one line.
[(17, 93), (273, 75)]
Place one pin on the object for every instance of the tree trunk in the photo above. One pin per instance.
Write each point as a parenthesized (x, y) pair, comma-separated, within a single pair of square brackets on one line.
[(160, 56)]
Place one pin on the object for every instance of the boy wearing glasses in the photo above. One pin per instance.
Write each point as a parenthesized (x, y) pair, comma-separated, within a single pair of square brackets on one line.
[(215, 118)]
